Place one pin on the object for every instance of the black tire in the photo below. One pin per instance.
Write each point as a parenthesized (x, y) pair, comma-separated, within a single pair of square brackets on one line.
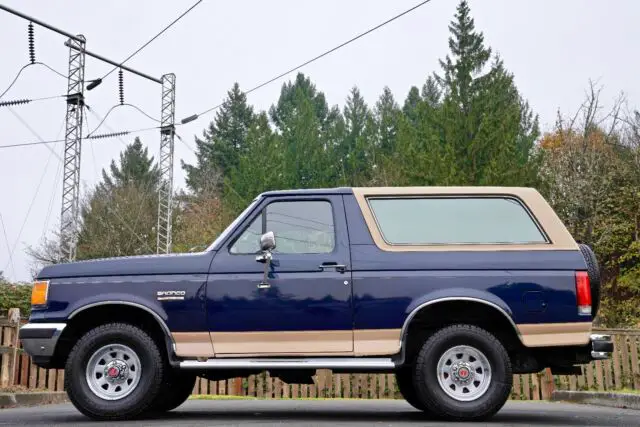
[(404, 380), (152, 371), (432, 394), (593, 270), (175, 391)]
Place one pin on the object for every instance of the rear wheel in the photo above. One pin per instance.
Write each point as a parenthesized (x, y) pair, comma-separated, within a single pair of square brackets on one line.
[(114, 372), (462, 373)]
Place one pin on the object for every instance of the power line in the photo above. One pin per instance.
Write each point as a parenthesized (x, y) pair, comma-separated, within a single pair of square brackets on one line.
[(101, 119), (25, 124), (6, 239), (25, 67), (33, 199), (153, 38), (14, 80), (279, 76), (26, 144), (102, 136), (113, 108), (28, 101), (53, 191)]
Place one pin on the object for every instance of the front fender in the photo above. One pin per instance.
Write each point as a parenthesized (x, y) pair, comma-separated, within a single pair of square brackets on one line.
[(150, 306)]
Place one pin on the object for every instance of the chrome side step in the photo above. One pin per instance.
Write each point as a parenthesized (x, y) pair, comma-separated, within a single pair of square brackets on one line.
[(292, 363)]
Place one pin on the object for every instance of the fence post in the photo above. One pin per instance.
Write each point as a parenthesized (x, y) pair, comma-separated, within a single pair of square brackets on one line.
[(14, 320), (548, 384)]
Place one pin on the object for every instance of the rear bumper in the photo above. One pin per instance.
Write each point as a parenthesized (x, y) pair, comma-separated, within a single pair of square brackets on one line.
[(601, 346), (39, 339)]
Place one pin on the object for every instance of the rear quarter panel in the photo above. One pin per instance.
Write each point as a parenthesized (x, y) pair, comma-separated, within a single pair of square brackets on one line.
[(535, 287)]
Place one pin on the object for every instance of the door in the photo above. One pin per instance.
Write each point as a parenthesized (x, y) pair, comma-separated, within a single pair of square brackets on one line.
[(305, 306)]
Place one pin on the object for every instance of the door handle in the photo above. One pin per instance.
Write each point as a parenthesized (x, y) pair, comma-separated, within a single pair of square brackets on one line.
[(263, 285), (339, 267)]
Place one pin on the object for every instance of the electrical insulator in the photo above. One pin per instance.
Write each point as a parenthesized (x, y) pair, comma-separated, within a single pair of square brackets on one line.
[(32, 44)]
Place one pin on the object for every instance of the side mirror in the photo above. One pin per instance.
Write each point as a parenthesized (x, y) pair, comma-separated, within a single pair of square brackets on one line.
[(267, 241), (267, 244)]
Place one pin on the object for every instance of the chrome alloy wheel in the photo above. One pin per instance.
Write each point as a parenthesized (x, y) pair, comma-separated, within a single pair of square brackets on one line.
[(113, 372), (464, 373)]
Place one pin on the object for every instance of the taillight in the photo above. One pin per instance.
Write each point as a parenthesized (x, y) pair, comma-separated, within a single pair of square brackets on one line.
[(583, 293)]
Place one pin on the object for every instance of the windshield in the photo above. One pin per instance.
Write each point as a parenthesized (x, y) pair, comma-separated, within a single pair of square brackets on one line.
[(233, 225)]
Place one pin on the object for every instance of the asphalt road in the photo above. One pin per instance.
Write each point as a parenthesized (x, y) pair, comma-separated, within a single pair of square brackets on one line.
[(325, 413)]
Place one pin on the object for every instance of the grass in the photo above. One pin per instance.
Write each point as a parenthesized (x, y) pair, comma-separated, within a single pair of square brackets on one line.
[(20, 389), (225, 397), (627, 391)]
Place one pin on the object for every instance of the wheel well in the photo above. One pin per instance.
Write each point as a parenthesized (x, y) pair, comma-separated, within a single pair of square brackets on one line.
[(434, 317), (90, 318)]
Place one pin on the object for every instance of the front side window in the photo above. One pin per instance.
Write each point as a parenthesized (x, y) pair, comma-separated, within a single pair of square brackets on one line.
[(300, 227), (464, 220)]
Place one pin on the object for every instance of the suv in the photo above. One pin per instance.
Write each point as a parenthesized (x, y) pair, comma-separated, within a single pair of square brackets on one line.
[(452, 289)]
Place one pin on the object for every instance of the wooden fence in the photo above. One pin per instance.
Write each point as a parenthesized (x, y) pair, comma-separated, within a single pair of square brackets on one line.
[(622, 371)]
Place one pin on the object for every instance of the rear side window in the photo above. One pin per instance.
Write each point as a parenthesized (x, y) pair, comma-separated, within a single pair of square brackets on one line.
[(448, 220)]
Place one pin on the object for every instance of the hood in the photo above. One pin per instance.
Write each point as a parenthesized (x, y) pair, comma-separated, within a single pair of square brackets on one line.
[(187, 263)]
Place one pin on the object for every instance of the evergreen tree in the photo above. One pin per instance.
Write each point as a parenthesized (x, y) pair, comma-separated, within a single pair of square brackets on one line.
[(223, 143), (387, 115), (431, 92), (469, 58), (483, 118), (355, 153), (262, 168), (119, 216), (136, 167), (411, 105), (309, 135), (288, 105)]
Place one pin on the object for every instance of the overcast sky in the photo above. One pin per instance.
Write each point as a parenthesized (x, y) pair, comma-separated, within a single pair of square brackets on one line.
[(552, 47)]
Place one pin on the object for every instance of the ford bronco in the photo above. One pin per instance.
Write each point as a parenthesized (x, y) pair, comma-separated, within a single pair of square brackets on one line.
[(452, 289)]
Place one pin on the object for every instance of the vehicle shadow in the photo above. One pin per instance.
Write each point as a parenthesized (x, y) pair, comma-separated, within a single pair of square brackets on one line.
[(308, 417)]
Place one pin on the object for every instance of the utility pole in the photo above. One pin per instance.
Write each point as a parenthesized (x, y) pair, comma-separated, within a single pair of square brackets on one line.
[(69, 215), (165, 191), (167, 135), (73, 136), (72, 150)]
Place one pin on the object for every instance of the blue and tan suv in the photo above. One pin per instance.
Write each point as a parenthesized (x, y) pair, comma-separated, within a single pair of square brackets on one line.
[(452, 289)]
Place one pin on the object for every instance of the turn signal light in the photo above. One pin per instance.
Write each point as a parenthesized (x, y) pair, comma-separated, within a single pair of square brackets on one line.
[(583, 293), (40, 293)]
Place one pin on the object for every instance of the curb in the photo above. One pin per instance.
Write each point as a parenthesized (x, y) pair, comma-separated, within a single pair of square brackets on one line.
[(16, 400), (612, 400)]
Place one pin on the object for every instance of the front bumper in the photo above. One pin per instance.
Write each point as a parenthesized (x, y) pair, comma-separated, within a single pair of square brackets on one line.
[(39, 339), (601, 346)]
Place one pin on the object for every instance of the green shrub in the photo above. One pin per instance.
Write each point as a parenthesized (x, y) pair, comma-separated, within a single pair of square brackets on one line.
[(15, 296)]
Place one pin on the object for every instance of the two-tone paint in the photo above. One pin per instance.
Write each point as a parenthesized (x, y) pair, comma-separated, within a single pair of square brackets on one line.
[(312, 309)]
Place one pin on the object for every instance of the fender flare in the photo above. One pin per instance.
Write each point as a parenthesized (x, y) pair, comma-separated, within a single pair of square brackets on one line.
[(419, 306), (171, 345)]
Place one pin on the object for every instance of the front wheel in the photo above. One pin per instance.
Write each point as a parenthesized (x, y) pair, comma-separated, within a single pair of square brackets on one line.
[(404, 380), (175, 391), (463, 373), (114, 372)]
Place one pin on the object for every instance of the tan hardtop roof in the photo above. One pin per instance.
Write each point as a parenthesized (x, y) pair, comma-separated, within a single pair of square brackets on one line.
[(446, 190)]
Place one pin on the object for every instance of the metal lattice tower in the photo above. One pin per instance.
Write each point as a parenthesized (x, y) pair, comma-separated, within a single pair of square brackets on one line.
[(72, 149), (165, 192)]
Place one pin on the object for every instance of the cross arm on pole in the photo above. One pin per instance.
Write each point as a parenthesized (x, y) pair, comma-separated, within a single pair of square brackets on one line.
[(114, 63), (41, 23)]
